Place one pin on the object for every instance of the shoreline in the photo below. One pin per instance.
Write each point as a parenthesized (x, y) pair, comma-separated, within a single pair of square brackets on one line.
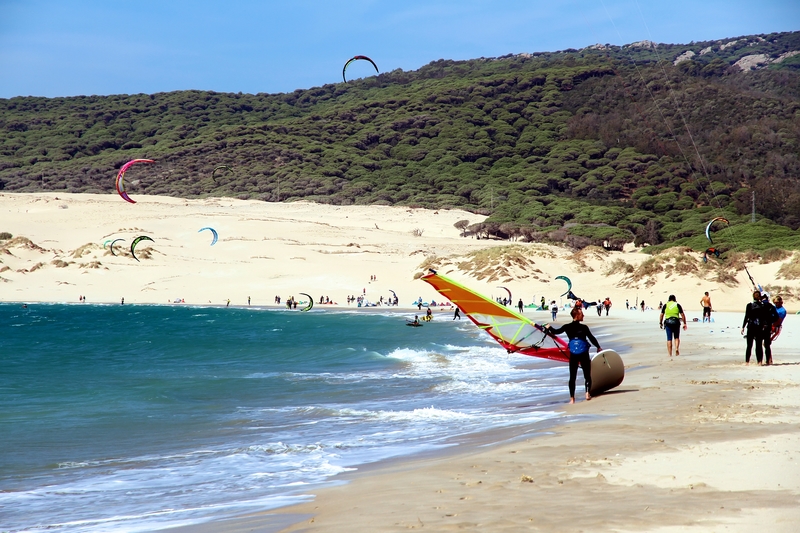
[(641, 460), (697, 443)]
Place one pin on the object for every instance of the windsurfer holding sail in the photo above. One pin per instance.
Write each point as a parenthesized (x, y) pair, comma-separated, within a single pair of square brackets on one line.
[(579, 338)]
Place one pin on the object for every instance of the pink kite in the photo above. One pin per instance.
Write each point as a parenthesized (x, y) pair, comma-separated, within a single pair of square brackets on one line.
[(121, 185)]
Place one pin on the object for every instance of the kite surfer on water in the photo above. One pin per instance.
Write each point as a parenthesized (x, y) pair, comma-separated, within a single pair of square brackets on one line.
[(579, 338)]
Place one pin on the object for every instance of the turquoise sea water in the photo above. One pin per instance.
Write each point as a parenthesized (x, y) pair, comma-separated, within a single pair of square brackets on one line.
[(134, 418)]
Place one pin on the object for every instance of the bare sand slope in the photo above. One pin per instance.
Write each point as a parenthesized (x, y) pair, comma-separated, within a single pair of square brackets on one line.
[(267, 250)]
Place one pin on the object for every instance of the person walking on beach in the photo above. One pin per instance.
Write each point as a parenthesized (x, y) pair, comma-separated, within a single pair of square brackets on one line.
[(520, 305), (705, 301), (642, 306), (607, 304), (758, 319), (553, 310), (579, 338), (670, 321), (457, 314), (248, 300)]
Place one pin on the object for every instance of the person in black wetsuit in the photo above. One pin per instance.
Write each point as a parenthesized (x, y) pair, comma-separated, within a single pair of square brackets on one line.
[(758, 319), (579, 339)]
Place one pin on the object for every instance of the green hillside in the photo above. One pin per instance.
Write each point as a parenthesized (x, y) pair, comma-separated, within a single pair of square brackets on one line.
[(606, 145)]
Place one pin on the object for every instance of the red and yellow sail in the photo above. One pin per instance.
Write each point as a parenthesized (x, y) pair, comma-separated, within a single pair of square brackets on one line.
[(512, 330)]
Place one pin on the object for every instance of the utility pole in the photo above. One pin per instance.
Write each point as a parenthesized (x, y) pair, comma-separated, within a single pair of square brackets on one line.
[(753, 215)]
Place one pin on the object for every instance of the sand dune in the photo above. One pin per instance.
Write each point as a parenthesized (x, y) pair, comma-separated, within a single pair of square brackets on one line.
[(265, 250)]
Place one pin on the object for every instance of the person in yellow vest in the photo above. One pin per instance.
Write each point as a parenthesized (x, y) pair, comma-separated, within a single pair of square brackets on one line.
[(670, 321)]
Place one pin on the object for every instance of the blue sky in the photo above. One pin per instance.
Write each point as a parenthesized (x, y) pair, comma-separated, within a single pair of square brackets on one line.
[(83, 47)]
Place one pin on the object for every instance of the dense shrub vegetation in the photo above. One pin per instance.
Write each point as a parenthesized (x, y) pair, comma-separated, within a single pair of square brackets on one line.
[(594, 147)]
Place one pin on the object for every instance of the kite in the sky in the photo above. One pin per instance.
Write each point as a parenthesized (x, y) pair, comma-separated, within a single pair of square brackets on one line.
[(220, 167), (112, 246), (708, 227), (365, 58), (569, 284), (213, 233), (310, 302), (710, 251), (120, 184), (510, 299), (136, 241)]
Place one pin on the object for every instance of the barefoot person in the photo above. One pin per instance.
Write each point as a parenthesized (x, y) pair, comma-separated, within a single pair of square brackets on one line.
[(705, 301), (670, 321), (579, 339), (758, 319)]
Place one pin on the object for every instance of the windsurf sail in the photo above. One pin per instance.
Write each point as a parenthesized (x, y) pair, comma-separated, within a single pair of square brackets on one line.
[(511, 330)]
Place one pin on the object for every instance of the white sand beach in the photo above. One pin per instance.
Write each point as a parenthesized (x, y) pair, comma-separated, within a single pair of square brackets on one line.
[(267, 249)]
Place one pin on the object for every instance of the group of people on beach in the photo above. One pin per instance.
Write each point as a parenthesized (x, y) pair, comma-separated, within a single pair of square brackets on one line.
[(761, 325), (763, 322)]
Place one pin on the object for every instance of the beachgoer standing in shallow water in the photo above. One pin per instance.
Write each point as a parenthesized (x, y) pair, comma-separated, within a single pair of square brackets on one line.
[(705, 301), (670, 321), (579, 338), (457, 314)]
